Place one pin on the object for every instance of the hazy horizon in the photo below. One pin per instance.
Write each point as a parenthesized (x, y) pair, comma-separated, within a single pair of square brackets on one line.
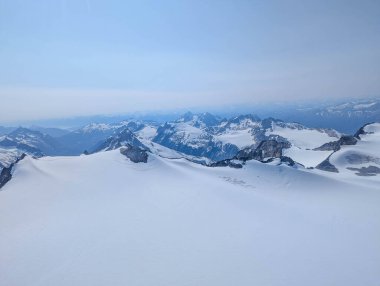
[(80, 58)]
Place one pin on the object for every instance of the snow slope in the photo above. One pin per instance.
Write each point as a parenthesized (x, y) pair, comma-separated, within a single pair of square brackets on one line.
[(303, 140), (355, 159), (240, 138), (8, 156), (103, 220)]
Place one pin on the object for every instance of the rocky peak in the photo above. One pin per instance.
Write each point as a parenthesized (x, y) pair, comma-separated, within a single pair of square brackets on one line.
[(266, 149), (135, 153), (122, 138)]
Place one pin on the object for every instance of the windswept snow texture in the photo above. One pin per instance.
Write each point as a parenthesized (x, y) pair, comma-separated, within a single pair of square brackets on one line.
[(103, 220), (363, 158)]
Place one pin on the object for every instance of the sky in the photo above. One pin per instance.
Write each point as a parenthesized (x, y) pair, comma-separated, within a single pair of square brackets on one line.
[(62, 58)]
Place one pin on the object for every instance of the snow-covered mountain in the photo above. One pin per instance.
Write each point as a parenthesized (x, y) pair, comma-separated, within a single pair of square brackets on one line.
[(202, 138), (5, 130), (90, 136), (53, 132), (226, 138), (102, 219), (29, 141), (359, 156), (345, 116), (123, 137)]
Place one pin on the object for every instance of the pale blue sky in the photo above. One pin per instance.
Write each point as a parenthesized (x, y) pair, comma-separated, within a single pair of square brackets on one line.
[(80, 57)]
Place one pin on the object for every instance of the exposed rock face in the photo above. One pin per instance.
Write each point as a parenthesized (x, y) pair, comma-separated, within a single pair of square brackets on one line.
[(266, 152), (6, 173), (123, 138), (347, 140), (335, 145), (266, 149), (226, 163), (327, 166), (288, 160), (361, 131), (134, 153)]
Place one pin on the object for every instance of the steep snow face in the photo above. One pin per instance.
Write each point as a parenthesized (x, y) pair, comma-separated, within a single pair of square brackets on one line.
[(8, 156), (363, 158), (303, 140), (103, 220)]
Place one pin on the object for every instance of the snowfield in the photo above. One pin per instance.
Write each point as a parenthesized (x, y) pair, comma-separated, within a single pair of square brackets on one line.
[(103, 220), (240, 138), (303, 141), (361, 158)]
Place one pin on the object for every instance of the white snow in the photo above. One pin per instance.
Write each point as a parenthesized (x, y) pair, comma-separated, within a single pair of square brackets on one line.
[(8, 156), (96, 126), (148, 132), (102, 220), (308, 158), (303, 142), (240, 138), (364, 105), (302, 138), (188, 132), (365, 153)]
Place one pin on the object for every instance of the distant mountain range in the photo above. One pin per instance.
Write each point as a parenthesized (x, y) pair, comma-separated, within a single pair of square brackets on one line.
[(344, 116), (202, 138)]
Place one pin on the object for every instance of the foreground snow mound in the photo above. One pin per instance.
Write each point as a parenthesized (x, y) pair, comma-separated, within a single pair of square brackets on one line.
[(104, 220)]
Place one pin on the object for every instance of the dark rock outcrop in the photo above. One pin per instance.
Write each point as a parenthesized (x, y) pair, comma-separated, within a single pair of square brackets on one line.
[(266, 149), (335, 145), (287, 160), (6, 173), (122, 138), (327, 166), (226, 163), (361, 131), (135, 153)]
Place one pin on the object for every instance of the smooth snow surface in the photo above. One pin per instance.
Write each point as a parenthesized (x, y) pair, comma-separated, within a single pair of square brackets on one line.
[(240, 138), (303, 138), (303, 142), (102, 220), (147, 133)]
